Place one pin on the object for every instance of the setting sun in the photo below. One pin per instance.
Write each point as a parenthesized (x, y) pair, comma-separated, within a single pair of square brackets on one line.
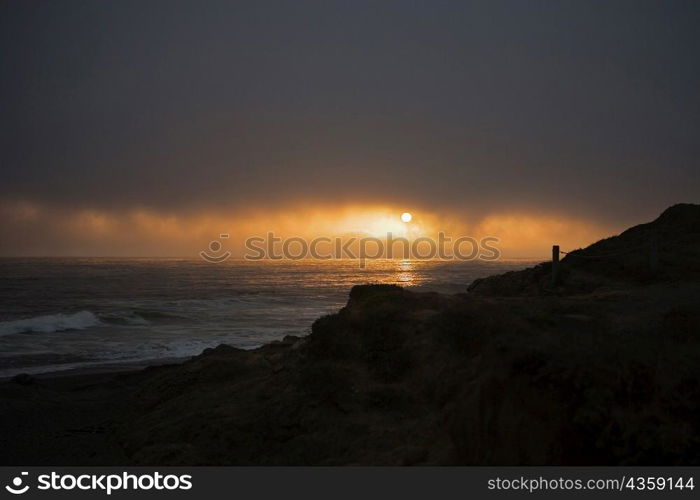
[(406, 217)]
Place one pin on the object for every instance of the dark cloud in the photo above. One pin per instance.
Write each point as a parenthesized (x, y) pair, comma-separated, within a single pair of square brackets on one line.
[(581, 107)]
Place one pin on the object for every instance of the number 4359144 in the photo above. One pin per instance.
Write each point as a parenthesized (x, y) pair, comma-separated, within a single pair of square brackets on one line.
[(660, 483)]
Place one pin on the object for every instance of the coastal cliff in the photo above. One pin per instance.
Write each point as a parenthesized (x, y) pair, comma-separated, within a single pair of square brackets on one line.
[(602, 369)]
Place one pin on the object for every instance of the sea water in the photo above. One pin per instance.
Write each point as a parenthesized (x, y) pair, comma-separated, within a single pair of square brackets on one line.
[(64, 313)]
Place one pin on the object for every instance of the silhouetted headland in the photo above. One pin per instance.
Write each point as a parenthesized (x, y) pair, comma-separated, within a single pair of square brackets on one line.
[(602, 367)]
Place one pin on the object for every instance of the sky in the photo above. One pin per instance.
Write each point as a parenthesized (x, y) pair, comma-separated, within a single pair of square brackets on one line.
[(148, 128)]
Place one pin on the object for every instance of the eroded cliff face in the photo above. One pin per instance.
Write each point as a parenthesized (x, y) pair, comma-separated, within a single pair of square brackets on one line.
[(407, 378)]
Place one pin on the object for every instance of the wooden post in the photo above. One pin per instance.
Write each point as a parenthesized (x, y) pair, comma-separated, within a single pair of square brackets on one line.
[(555, 265), (653, 253)]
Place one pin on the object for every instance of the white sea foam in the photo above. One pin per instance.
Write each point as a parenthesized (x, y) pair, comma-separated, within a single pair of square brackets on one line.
[(50, 323), (167, 310)]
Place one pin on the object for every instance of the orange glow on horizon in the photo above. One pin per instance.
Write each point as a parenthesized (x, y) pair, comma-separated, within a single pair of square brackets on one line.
[(32, 229)]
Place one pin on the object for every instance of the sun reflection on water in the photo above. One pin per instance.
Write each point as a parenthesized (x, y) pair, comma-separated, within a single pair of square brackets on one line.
[(406, 272)]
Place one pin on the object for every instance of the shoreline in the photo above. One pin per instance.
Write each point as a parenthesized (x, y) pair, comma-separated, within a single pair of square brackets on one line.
[(390, 365), (106, 368)]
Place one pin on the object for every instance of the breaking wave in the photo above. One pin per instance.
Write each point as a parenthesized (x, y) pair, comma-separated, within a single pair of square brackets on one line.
[(50, 323)]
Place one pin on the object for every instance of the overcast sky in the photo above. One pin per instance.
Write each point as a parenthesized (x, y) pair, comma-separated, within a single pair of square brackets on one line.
[(585, 108)]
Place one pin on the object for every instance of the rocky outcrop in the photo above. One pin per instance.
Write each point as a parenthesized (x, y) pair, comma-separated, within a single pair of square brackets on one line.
[(398, 377), (623, 260)]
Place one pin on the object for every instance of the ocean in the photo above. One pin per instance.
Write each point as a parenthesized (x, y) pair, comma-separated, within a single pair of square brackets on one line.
[(69, 313)]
